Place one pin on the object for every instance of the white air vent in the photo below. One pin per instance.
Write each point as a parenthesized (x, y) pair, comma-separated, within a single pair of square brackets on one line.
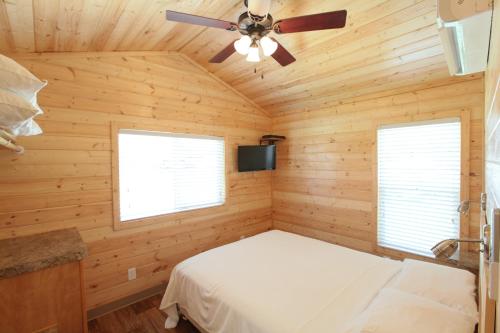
[(464, 28)]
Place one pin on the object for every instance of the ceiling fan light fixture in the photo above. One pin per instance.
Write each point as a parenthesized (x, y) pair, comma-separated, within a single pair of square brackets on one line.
[(255, 24), (268, 45), (253, 53), (242, 45)]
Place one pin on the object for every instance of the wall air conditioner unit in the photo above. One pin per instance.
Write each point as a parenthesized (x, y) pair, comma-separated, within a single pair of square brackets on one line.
[(464, 28)]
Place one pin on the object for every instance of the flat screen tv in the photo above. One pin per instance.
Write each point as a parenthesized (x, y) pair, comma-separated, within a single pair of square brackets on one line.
[(255, 158)]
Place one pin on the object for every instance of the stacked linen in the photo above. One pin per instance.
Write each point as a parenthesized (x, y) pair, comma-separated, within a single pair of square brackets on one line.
[(18, 98), (424, 297)]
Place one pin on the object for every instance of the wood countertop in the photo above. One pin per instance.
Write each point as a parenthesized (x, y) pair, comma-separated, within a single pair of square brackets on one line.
[(35, 252)]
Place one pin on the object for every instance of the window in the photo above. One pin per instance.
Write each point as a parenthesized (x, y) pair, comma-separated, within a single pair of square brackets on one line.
[(161, 173), (418, 185)]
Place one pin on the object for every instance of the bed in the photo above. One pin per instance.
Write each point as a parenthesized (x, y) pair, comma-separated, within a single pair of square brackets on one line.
[(278, 282)]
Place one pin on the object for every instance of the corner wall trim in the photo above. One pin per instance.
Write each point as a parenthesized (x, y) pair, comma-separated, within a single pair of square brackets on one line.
[(227, 85)]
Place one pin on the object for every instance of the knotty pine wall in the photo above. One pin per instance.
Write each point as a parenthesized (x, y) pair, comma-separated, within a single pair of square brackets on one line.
[(64, 177), (492, 129), (323, 186)]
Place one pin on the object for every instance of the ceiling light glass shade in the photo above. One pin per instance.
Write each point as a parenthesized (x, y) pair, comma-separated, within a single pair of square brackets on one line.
[(243, 44), (268, 45), (253, 54)]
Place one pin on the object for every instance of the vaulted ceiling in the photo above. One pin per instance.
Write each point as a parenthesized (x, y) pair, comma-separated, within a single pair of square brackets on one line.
[(387, 44)]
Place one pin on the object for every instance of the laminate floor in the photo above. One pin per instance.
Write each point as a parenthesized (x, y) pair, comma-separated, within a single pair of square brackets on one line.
[(141, 317)]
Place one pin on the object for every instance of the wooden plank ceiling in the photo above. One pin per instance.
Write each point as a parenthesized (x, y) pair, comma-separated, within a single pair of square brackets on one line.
[(387, 44)]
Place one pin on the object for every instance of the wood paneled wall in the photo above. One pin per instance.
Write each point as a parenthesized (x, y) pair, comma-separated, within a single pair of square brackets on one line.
[(64, 177), (323, 186), (492, 128), (492, 114)]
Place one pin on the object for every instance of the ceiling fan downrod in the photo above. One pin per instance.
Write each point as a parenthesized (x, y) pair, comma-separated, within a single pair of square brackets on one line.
[(258, 9)]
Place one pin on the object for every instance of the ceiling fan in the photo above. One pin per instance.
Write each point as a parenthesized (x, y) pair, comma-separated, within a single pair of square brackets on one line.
[(256, 23)]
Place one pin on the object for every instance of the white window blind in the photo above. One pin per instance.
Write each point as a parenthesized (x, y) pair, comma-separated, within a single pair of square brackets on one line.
[(161, 173), (418, 185)]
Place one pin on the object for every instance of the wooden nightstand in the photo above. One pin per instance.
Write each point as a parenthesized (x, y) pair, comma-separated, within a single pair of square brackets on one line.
[(41, 283)]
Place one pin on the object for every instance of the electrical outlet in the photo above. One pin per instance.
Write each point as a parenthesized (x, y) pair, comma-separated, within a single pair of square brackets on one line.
[(132, 274)]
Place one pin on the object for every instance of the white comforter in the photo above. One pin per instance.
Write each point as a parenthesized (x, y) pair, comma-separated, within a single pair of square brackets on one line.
[(276, 282)]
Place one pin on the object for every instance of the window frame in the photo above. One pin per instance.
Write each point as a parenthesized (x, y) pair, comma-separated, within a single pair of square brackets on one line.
[(464, 116), (168, 218)]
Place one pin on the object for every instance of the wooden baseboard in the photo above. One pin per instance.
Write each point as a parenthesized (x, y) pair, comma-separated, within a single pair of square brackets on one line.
[(121, 303)]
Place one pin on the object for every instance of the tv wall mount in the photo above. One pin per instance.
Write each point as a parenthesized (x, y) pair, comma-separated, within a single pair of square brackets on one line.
[(271, 139)]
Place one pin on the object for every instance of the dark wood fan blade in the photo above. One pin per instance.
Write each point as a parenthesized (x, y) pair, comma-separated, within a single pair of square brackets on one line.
[(282, 55), (224, 54), (200, 20), (323, 21)]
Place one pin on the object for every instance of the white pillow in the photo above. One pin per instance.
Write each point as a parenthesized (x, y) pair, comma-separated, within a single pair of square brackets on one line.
[(16, 114), (27, 128), (393, 311), (447, 285), (19, 80)]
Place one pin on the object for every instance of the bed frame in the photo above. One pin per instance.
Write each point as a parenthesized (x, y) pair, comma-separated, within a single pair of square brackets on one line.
[(185, 316)]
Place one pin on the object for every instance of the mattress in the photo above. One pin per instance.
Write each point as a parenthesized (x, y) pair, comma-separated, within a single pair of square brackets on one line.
[(276, 282)]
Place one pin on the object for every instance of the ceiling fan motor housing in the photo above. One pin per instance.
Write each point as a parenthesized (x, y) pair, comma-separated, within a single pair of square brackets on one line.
[(256, 29)]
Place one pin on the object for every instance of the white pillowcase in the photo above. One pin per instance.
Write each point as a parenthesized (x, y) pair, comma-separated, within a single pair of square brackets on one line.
[(29, 127), (18, 98), (16, 114), (393, 311), (446, 285), (19, 80)]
